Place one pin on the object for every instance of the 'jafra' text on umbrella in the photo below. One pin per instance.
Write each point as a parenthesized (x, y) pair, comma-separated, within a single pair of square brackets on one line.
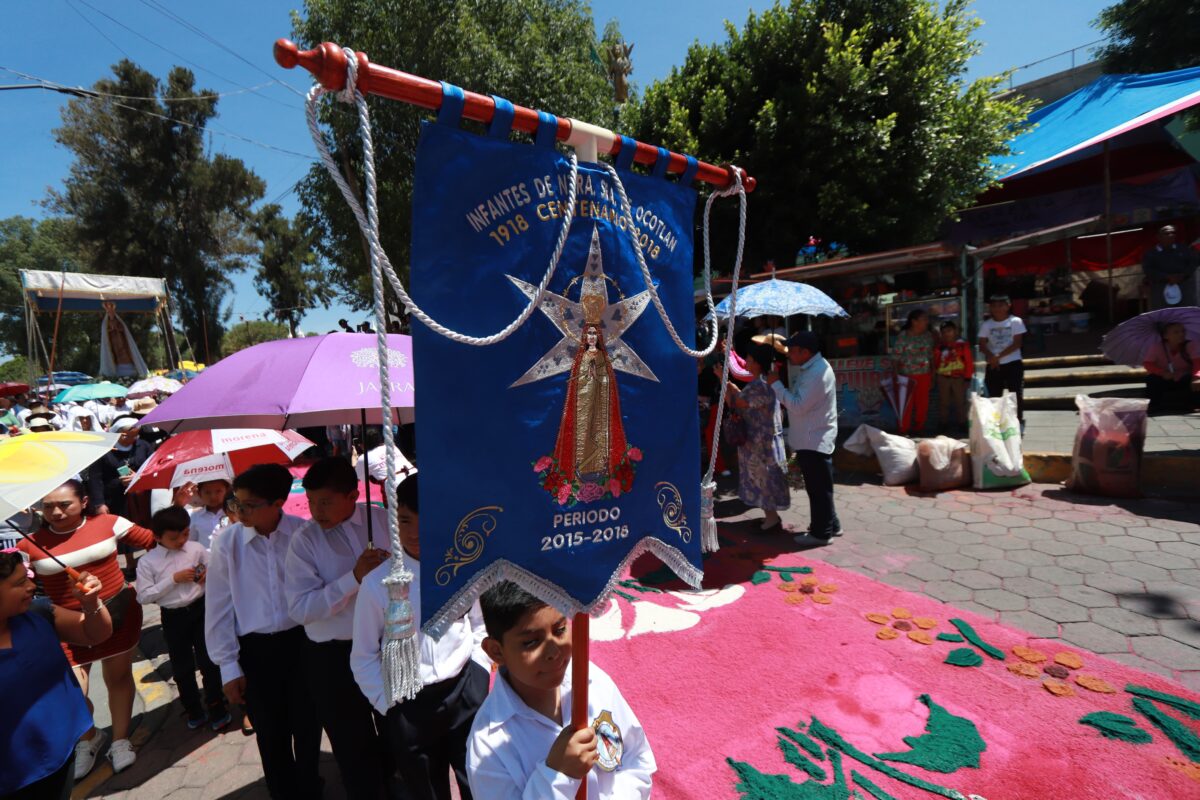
[(395, 386)]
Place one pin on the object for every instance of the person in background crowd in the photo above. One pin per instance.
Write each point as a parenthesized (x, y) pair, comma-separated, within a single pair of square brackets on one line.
[(209, 516), (811, 403), (83, 419), (762, 482), (87, 541), (20, 403), (151, 435), (1000, 343), (43, 713), (109, 477), (1171, 364), (954, 365), (8, 417), (914, 356), (172, 576), (1170, 271)]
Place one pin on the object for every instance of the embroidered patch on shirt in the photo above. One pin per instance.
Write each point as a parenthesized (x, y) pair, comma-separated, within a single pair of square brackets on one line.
[(610, 746)]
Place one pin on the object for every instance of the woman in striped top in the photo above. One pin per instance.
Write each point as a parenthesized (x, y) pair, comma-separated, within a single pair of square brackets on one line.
[(88, 542)]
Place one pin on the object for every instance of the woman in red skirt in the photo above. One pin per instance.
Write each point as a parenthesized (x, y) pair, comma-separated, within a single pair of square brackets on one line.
[(89, 543)]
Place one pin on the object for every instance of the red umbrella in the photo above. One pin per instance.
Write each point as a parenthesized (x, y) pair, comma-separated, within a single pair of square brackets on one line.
[(13, 389), (215, 454)]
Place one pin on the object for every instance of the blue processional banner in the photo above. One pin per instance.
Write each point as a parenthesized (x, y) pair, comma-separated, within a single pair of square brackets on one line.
[(554, 457)]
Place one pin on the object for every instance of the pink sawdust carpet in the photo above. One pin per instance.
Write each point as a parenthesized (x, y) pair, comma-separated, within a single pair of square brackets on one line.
[(761, 689)]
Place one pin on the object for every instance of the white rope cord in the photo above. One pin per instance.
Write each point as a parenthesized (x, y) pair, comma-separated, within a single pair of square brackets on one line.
[(372, 234), (627, 215)]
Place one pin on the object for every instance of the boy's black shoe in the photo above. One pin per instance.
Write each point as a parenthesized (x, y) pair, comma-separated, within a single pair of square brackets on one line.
[(196, 720)]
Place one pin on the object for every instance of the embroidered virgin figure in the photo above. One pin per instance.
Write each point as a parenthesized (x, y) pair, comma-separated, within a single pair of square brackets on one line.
[(591, 459)]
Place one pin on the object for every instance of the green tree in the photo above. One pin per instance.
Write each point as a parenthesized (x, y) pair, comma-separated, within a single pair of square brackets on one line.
[(49, 244), (854, 115), (15, 370), (249, 333), (146, 197), (288, 276), (1150, 35), (537, 53)]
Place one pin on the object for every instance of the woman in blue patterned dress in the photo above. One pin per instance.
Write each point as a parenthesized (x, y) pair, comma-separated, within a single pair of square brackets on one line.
[(762, 482)]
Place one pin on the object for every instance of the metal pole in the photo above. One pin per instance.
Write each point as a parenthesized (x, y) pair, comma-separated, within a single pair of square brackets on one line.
[(580, 659), (367, 476), (1112, 289)]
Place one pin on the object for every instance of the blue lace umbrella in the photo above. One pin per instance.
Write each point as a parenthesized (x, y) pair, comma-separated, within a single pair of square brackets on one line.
[(778, 298)]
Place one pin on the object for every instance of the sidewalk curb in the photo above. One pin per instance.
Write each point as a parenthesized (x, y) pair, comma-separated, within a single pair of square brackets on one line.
[(1162, 474), (156, 701)]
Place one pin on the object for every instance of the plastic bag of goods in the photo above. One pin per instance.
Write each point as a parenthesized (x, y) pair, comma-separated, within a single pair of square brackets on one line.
[(897, 455), (1107, 458), (943, 464), (996, 460)]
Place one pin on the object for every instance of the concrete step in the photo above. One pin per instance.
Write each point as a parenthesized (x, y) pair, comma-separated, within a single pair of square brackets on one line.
[(1062, 398), (1057, 362), (1084, 375)]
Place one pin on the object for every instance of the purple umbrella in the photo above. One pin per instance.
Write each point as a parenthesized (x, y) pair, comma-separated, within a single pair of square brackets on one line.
[(293, 383), (1129, 342)]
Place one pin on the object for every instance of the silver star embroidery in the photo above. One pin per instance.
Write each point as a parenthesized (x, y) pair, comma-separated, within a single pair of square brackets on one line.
[(567, 316)]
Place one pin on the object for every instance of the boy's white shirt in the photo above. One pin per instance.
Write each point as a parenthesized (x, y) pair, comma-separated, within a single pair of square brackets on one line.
[(509, 742), (440, 660), (205, 523), (999, 335), (156, 576)]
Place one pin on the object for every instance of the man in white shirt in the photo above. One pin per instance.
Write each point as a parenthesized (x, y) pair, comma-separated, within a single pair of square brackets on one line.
[(428, 733), (250, 636), (1000, 342), (327, 560), (523, 744), (811, 403), (173, 576)]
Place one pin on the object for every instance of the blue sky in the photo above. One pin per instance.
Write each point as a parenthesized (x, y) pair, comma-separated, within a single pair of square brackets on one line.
[(75, 41)]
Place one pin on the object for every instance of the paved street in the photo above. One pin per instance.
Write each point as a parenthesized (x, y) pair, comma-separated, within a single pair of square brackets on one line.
[(1120, 578)]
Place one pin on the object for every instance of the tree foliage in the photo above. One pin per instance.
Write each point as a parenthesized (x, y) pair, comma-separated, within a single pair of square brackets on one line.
[(49, 244), (537, 53), (854, 116), (249, 333), (1150, 35), (147, 199), (15, 370), (289, 275)]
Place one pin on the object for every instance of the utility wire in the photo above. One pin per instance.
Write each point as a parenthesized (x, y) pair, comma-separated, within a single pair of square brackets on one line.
[(145, 38), (88, 94), (171, 15), (46, 83), (96, 28)]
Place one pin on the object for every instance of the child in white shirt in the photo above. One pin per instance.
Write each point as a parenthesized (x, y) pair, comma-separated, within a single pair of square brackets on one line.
[(209, 517), (427, 734), (172, 575), (523, 743)]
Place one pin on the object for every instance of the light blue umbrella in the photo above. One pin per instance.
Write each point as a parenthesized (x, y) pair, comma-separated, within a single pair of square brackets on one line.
[(778, 298), (90, 391)]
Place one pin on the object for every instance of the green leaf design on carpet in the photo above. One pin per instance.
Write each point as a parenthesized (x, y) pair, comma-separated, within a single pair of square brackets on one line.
[(1116, 726), (949, 744), (963, 657), (1187, 742), (950, 637), (804, 741), (794, 570), (755, 785), (1174, 701), (974, 638), (871, 788), (797, 759), (760, 577)]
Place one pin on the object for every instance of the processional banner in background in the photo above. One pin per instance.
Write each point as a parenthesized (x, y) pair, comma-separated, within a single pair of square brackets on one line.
[(558, 454)]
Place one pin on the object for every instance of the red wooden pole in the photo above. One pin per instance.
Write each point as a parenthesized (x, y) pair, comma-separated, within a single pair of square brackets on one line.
[(580, 636), (327, 63)]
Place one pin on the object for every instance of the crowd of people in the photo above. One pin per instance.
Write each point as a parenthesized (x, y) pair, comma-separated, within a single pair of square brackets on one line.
[(283, 619)]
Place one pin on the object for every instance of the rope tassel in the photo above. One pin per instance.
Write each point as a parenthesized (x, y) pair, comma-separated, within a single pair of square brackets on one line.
[(400, 649), (708, 520)]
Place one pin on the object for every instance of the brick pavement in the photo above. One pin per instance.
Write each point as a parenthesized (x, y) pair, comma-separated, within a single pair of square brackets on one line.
[(1120, 578)]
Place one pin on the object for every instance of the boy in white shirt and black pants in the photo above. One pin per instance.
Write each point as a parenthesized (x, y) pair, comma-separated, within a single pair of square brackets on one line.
[(327, 560), (1000, 342), (257, 645), (173, 576), (427, 734)]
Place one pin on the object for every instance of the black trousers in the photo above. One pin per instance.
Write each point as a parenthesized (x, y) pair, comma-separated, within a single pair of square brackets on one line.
[(347, 718), (428, 734), (1009, 376), (55, 786), (1169, 395), (285, 718), (817, 469), (183, 628)]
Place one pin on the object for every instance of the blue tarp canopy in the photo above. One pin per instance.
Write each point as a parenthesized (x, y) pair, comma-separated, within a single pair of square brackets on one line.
[(1112, 105), (80, 291)]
